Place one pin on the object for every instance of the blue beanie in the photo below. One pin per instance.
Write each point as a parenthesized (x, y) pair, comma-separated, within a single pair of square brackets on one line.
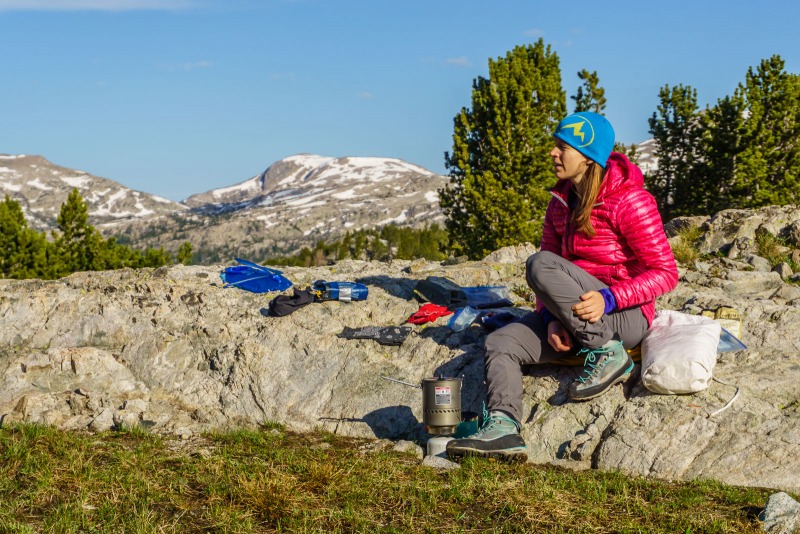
[(588, 133)]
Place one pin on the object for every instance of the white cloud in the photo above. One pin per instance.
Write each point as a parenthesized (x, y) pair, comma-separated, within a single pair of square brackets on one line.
[(94, 5), (196, 65), (365, 95), (460, 61), (534, 32), (282, 76)]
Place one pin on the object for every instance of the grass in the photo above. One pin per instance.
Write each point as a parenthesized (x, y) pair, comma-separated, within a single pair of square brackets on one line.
[(686, 250), (772, 248), (271, 480)]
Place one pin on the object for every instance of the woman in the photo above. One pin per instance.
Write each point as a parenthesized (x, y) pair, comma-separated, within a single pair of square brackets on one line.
[(603, 261)]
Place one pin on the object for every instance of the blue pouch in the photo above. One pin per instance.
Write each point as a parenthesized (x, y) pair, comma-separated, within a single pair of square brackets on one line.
[(482, 297), (254, 277)]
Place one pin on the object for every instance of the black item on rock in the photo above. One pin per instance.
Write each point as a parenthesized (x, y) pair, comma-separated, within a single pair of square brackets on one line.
[(286, 304), (442, 291), (385, 335)]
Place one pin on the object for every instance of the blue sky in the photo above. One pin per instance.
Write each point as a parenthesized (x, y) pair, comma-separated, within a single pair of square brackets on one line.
[(175, 97)]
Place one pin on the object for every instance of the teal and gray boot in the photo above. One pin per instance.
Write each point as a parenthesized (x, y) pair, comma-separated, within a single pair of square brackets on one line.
[(602, 368), (498, 438)]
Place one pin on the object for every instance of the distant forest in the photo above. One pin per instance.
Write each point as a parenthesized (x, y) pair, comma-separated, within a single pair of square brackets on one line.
[(385, 243), (76, 246)]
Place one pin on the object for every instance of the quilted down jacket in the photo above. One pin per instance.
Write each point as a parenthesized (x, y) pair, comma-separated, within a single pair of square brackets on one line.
[(630, 251)]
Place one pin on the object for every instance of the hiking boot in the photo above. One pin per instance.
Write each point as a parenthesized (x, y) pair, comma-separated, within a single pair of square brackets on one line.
[(603, 367), (498, 438)]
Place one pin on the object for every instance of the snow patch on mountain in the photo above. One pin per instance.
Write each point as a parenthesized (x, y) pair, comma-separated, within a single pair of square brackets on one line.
[(76, 181), (38, 184), (11, 187)]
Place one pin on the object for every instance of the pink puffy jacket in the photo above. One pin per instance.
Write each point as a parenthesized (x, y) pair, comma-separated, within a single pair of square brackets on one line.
[(629, 252)]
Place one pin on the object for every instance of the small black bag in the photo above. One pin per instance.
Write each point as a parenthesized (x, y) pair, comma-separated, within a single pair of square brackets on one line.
[(441, 291), (285, 304)]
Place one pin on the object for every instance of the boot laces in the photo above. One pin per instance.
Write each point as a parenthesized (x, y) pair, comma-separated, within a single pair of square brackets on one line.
[(591, 365), (490, 421)]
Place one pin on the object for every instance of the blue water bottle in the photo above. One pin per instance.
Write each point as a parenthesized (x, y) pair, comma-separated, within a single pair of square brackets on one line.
[(344, 291)]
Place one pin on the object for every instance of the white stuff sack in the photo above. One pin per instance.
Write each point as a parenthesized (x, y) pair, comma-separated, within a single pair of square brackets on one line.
[(679, 353)]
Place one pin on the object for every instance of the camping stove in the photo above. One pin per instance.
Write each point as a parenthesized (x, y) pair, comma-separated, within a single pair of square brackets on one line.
[(441, 405)]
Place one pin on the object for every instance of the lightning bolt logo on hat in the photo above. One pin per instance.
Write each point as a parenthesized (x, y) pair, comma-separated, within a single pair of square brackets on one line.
[(589, 133), (577, 131)]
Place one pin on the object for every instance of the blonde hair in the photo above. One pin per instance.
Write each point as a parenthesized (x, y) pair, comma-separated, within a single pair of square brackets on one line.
[(587, 190)]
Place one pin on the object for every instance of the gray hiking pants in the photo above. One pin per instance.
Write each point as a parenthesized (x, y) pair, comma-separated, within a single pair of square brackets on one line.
[(558, 283)]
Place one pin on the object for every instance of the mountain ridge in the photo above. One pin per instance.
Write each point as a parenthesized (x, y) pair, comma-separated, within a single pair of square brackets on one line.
[(41, 186), (293, 203)]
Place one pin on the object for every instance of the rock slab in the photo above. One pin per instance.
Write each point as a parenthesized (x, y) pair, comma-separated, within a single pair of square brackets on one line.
[(172, 350)]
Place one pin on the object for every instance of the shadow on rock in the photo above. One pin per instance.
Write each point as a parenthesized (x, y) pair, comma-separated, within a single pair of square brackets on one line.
[(563, 374), (397, 287), (469, 367), (394, 422), (447, 337), (566, 375)]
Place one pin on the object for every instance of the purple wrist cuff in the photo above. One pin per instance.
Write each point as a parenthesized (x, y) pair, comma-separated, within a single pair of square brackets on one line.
[(608, 297)]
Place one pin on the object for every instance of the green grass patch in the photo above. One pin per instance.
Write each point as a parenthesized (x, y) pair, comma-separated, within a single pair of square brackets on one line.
[(686, 249), (272, 480), (771, 247)]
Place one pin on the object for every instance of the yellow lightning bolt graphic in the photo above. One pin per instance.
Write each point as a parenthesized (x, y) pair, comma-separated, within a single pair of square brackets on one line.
[(576, 129)]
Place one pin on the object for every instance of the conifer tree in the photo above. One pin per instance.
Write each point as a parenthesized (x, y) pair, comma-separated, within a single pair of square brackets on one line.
[(677, 131), (721, 144), (155, 257), (185, 253), (499, 165), (12, 223), (590, 96), (23, 251), (767, 170), (74, 243)]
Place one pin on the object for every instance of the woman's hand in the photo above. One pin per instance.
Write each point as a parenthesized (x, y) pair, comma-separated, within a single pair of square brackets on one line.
[(591, 307), (558, 336)]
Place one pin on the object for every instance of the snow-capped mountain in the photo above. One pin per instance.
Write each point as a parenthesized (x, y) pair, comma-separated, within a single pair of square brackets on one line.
[(306, 181), (41, 187), (295, 202)]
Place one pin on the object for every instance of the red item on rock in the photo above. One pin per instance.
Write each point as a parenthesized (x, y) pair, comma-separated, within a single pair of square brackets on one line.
[(428, 312)]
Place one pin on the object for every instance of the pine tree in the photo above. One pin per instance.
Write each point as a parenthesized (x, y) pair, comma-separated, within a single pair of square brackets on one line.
[(721, 145), (767, 171), (155, 257), (499, 165), (590, 96), (185, 253), (12, 223), (677, 130), (31, 258), (74, 243), (23, 251), (343, 250)]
